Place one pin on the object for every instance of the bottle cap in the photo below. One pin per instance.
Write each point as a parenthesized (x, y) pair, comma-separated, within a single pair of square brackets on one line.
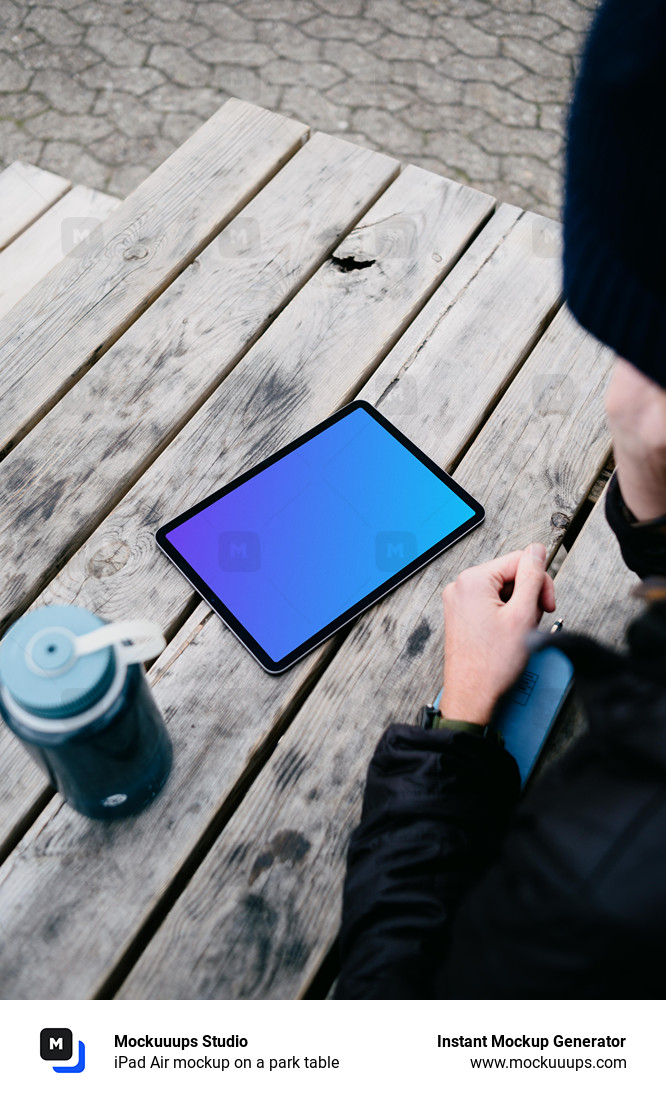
[(41, 666)]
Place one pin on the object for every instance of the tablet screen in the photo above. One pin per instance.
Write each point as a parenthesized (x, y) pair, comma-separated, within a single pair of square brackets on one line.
[(299, 545)]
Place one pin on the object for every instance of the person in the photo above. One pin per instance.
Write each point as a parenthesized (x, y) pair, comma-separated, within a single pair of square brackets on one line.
[(456, 887)]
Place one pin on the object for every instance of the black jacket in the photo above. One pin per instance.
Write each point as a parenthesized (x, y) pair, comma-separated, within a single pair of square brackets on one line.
[(455, 888)]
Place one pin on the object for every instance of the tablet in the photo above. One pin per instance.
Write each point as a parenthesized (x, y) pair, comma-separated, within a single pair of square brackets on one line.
[(301, 544)]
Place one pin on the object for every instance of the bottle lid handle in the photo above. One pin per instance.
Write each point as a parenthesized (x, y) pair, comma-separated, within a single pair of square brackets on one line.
[(145, 638)]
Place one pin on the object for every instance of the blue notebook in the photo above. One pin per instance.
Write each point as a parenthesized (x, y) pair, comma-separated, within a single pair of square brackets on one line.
[(529, 711)]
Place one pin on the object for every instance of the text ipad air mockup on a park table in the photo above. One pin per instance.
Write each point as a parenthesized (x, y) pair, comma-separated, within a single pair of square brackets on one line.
[(290, 551)]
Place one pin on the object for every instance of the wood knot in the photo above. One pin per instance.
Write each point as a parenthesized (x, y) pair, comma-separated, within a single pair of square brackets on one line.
[(135, 252), (560, 520), (350, 263), (108, 559)]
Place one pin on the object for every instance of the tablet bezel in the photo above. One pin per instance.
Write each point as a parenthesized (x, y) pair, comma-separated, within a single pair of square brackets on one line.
[(236, 627)]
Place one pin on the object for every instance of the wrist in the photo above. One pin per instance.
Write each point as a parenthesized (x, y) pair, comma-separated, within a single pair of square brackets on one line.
[(643, 492), (458, 708)]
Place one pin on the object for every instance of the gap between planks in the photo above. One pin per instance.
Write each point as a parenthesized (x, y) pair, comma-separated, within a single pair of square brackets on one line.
[(595, 594), (57, 233), (26, 192)]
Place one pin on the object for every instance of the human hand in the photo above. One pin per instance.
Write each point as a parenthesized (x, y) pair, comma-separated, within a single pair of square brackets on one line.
[(636, 410), (488, 612)]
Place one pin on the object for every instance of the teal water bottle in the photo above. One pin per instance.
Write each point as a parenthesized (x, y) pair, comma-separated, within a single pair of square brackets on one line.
[(73, 690)]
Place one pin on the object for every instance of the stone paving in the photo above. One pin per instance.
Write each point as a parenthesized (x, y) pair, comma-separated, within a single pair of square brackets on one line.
[(102, 92)]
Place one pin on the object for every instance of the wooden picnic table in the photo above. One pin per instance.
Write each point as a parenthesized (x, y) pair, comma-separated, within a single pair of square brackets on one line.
[(260, 279)]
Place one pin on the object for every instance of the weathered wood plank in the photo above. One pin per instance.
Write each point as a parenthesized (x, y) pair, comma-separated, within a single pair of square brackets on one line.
[(22, 786), (81, 458), (73, 315), (25, 193), (594, 596), (594, 586), (55, 234), (450, 350), (275, 873), (217, 742)]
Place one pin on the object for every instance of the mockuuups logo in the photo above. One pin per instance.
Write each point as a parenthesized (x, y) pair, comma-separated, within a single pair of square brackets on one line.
[(56, 1045), (394, 549), (239, 551)]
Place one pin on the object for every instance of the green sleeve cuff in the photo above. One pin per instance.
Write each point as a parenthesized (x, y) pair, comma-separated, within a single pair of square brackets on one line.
[(440, 723)]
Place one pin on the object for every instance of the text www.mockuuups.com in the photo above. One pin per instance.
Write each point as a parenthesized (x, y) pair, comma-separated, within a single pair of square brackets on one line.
[(544, 1062)]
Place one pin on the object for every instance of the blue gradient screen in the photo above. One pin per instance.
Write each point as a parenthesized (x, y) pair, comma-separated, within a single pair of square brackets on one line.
[(298, 544)]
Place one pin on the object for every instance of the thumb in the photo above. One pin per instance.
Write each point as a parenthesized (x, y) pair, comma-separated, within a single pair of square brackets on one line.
[(529, 580)]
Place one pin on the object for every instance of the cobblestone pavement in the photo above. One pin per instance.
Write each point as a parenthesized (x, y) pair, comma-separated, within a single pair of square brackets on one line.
[(102, 92)]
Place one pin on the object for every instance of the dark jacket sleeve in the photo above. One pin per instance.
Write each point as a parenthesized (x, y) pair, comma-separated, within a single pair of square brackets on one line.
[(435, 809), (642, 545), (575, 906)]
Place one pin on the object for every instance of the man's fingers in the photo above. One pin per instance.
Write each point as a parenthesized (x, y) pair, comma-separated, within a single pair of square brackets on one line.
[(547, 598), (503, 575), (507, 591), (530, 582), (503, 570), (489, 577)]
